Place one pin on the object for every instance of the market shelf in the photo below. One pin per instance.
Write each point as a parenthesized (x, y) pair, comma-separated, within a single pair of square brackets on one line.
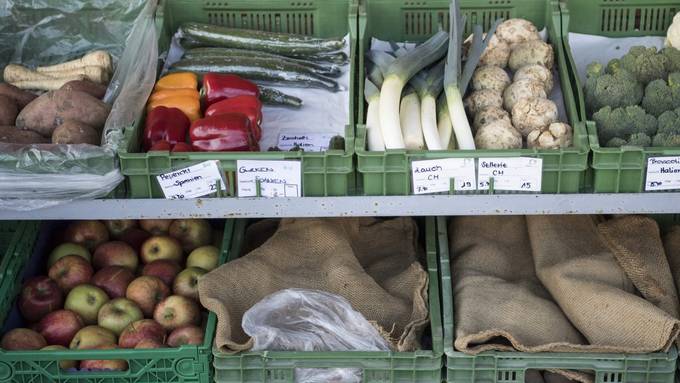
[(496, 204)]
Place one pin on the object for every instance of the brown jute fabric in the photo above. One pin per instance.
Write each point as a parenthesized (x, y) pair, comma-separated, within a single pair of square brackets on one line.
[(370, 262), (671, 243)]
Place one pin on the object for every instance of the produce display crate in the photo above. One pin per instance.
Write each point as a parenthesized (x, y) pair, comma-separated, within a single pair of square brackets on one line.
[(10, 232), (616, 170), (378, 366), (329, 173), (186, 364), (510, 367), (389, 172)]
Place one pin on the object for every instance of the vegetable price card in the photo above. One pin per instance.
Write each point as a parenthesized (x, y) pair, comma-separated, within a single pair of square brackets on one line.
[(435, 176), (518, 174), (309, 142), (195, 181), (663, 173), (272, 178)]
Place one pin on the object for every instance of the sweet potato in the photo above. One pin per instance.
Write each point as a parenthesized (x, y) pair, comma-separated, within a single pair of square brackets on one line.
[(50, 110), (74, 132), (87, 86), (8, 110), (13, 135), (21, 97)]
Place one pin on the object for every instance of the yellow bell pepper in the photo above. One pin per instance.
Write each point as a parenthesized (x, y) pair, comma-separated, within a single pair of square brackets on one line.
[(191, 106), (167, 93), (179, 80)]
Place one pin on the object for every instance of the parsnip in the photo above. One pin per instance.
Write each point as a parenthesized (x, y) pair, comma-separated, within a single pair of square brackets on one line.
[(15, 73), (45, 84), (95, 58), (95, 74)]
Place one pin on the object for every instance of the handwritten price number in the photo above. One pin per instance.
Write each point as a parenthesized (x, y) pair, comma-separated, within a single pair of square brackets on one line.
[(526, 185), (655, 183), (466, 185), (422, 188), (484, 184), (177, 196)]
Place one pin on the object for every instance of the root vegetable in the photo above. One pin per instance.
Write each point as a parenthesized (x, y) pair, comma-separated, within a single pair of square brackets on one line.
[(87, 86), (96, 58), (533, 113), (536, 72), (489, 115), (520, 90), (49, 84), (497, 53), (21, 97), (490, 77), (14, 73), (74, 132), (498, 135), (13, 135), (531, 52), (482, 99), (517, 31), (95, 74), (8, 110), (558, 135), (50, 110)]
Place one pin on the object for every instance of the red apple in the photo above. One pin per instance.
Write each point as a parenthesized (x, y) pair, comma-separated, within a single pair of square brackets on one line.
[(141, 330), (115, 253), (205, 257), (59, 327), (161, 247), (68, 249), (39, 297), (192, 233), (70, 271), (147, 292), (164, 269), (117, 314), (156, 226), (21, 339), (87, 233), (149, 344), (86, 300), (117, 227), (64, 364), (114, 280), (177, 311), (92, 337), (192, 335), (135, 237), (104, 364), (186, 282)]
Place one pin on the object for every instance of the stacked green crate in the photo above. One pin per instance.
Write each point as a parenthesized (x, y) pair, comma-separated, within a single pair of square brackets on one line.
[(329, 173), (389, 172)]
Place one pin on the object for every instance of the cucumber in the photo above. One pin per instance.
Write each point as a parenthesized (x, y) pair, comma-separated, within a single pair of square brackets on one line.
[(279, 43), (258, 69), (324, 69), (272, 96)]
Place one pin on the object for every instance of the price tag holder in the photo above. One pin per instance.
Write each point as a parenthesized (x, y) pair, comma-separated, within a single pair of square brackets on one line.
[(275, 178), (192, 182), (434, 176), (663, 173), (518, 174), (309, 142)]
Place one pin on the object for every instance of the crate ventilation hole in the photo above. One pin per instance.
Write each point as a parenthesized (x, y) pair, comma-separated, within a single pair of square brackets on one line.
[(290, 22)]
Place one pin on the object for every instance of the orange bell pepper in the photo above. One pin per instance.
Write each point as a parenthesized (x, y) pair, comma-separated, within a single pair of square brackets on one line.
[(191, 106), (179, 80), (167, 93)]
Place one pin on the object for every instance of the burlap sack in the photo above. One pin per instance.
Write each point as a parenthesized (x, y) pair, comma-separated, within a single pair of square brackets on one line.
[(372, 263), (499, 302), (671, 243), (575, 263)]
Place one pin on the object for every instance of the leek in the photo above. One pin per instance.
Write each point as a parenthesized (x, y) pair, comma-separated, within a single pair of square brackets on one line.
[(395, 78), (455, 85), (429, 86), (444, 127), (409, 118), (373, 132)]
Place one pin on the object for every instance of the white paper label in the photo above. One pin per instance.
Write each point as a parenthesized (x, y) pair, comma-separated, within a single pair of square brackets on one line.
[(276, 178), (194, 181), (309, 142), (519, 173), (663, 173), (434, 176)]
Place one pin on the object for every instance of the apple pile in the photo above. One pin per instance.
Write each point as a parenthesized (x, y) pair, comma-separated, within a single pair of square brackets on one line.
[(118, 283)]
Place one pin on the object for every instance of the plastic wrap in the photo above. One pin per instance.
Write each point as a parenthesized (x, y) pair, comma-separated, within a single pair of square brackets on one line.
[(46, 32), (311, 320)]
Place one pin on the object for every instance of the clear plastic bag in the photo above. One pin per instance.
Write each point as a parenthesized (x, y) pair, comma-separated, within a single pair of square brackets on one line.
[(43, 32), (311, 320)]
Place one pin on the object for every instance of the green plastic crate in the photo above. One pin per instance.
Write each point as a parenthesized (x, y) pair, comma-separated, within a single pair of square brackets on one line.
[(329, 173), (616, 170), (389, 172), (186, 364), (9, 232), (378, 367), (510, 367)]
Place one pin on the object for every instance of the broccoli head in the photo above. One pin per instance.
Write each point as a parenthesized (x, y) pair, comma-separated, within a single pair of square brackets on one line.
[(610, 89), (668, 132), (637, 139), (623, 123), (645, 63), (666, 140), (673, 56), (658, 98)]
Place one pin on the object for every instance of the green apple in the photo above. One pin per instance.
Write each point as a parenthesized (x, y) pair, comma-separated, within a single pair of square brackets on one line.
[(86, 300), (65, 249), (186, 282), (161, 247), (117, 314), (64, 364), (205, 257), (192, 233), (92, 337)]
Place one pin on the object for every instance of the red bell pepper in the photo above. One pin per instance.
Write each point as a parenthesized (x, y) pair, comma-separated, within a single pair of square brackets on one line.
[(248, 105), (217, 87), (228, 132), (181, 147), (165, 124)]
